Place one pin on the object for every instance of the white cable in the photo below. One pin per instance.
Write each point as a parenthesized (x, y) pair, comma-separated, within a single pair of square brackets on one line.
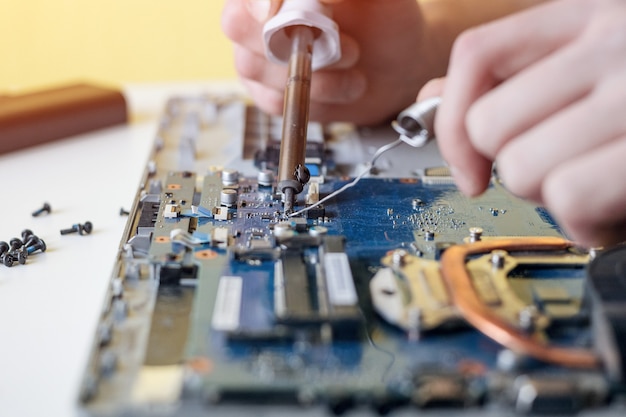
[(351, 184)]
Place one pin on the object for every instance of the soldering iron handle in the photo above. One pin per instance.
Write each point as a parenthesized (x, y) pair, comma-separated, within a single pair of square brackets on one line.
[(311, 13)]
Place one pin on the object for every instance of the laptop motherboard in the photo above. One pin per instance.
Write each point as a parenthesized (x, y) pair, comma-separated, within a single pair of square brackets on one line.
[(398, 296)]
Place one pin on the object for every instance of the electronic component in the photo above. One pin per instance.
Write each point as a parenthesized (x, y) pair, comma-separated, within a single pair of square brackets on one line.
[(265, 178), (411, 294), (522, 338), (436, 176), (541, 395), (395, 294), (607, 279)]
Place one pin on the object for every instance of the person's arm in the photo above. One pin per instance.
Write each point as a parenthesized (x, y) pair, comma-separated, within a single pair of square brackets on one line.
[(390, 49)]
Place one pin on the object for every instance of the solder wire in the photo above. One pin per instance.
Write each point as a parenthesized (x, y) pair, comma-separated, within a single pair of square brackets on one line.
[(354, 182)]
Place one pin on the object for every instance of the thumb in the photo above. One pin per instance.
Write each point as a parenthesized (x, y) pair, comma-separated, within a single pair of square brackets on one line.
[(433, 88)]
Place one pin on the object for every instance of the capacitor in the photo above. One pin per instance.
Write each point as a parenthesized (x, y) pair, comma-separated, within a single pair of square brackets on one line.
[(228, 197), (230, 177), (265, 178)]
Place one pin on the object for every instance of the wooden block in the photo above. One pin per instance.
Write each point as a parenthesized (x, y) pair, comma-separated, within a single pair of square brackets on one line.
[(35, 118)]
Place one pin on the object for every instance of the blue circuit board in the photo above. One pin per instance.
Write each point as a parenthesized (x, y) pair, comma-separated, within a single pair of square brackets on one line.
[(230, 302), (261, 357)]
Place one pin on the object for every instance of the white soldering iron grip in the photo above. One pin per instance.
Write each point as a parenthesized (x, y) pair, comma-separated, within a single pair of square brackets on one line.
[(312, 13)]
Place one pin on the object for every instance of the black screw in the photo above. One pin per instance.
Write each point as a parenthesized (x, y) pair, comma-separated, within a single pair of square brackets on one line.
[(7, 259), (32, 239), (73, 229), (16, 243), (5, 256), (39, 244), (86, 228), (20, 255), (82, 229), (26, 234), (124, 212), (46, 208)]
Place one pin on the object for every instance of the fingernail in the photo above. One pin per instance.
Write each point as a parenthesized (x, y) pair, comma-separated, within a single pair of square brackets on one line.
[(259, 9)]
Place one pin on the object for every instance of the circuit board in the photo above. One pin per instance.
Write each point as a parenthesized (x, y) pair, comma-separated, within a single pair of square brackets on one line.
[(390, 298)]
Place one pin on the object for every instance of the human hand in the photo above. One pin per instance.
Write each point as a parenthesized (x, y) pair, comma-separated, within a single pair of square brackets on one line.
[(379, 73), (542, 93)]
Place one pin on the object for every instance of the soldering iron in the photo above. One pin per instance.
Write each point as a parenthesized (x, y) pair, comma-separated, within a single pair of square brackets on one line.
[(304, 36)]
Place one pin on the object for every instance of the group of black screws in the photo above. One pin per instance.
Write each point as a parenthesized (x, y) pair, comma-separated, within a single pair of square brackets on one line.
[(18, 250), (81, 229)]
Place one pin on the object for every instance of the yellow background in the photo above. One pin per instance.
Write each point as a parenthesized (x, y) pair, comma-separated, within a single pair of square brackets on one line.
[(45, 42)]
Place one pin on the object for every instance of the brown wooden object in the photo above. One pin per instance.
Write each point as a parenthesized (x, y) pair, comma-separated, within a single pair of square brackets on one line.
[(43, 116)]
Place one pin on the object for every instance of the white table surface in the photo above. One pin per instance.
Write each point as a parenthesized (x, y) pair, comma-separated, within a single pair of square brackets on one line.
[(50, 306)]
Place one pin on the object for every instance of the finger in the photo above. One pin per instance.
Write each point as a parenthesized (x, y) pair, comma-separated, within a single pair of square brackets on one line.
[(470, 169), (255, 67), (526, 160), (545, 91), (506, 46), (267, 99), (240, 27), (433, 88), (350, 53), (585, 200), (481, 59), (338, 86)]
